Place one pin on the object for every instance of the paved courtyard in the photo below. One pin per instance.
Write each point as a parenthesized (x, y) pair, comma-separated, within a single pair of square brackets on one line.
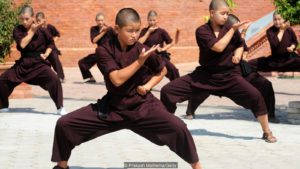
[(226, 135)]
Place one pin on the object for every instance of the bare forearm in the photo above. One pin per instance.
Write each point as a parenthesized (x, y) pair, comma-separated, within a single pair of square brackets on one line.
[(155, 79), (168, 46), (144, 38), (48, 51), (25, 41), (239, 52), (98, 37), (119, 77), (224, 41), (55, 38)]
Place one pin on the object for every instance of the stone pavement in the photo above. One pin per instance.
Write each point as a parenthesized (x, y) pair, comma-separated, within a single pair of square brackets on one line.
[(226, 135)]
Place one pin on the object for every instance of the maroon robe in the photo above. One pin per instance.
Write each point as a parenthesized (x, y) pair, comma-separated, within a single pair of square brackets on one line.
[(144, 115), (86, 63), (280, 59), (161, 36), (217, 75), (31, 67), (263, 85), (54, 56)]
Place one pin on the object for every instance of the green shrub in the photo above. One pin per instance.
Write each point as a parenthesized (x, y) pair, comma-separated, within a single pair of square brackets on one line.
[(8, 20), (289, 10)]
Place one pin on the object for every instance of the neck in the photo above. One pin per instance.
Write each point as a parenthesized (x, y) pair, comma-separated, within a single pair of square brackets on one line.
[(122, 44), (216, 27)]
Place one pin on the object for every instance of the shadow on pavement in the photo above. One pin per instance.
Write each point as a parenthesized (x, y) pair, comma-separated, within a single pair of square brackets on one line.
[(204, 132), (97, 83), (235, 113), (28, 110), (289, 94)]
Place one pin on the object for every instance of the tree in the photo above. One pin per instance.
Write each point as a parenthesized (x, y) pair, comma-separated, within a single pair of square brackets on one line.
[(289, 10), (8, 20)]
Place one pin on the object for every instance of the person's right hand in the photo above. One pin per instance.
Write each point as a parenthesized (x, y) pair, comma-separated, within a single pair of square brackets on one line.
[(152, 29), (145, 54), (104, 28), (35, 26), (236, 26)]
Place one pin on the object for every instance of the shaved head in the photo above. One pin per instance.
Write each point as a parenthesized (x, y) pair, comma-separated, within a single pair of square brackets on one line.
[(126, 16), (216, 4), (152, 13), (40, 15), (27, 9), (99, 14)]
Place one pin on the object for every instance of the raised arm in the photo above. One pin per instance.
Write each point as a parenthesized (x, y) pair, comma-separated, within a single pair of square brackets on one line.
[(119, 77), (221, 44), (144, 37), (30, 33)]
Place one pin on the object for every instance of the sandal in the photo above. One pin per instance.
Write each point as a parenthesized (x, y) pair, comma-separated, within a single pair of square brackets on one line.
[(58, 167), (268, 137)]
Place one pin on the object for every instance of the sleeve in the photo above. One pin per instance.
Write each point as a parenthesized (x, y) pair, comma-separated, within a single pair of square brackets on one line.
[(18, 35), (143, 32), (240, 42), (48, 38), (166, 37), (293, 37), (205, 37), (106, 62), (93, 33), (54, 31), (155, 63), (111, 32)]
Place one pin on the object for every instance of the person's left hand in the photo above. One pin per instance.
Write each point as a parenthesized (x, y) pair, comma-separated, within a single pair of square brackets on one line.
[(142, 90), (44, 56), (290, 49), (236, 59), (159, 49)]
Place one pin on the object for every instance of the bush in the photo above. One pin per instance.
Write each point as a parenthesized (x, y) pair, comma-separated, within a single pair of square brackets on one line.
[(289, 10), (8, 20)]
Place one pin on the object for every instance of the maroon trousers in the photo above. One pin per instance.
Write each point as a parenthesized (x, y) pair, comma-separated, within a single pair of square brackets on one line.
[(149, 120), (47, 79), (241, 92), (53, 58), (86, 63), (281, 64), (263, 85)]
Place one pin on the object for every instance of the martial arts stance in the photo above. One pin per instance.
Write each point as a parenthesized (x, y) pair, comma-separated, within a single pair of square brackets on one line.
[(155, 35), (99, 35), (221, 48), (53, 58), (263, 85), (35, 45), (129, 72)]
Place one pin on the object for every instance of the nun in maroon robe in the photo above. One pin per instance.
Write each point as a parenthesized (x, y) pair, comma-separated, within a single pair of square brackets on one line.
[(125, 107), (86, 63), (283, 56), (31, 68), (53, 58)]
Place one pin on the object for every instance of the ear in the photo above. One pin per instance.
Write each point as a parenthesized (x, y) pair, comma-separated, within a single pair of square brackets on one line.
[(117, 29), (211, 13)]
